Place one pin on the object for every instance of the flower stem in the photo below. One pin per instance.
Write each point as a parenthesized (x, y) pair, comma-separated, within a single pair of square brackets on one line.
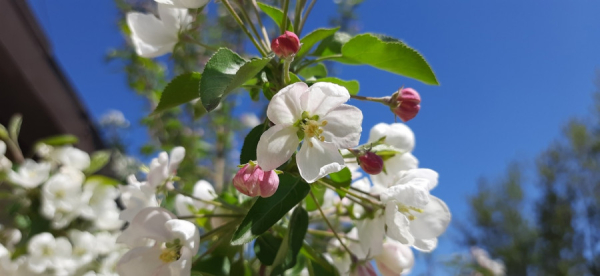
[(216, 203), (308, 10), (241, 24), (247, 18), (212, 216), (286, 5), (298, 14), (316, 232), (262, 27), (15, 150), (383, 100), (368, 200), (329, 224), (286, 70)]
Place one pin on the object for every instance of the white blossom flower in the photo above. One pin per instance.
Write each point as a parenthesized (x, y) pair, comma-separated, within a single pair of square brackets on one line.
[(5, 164), (46, 252), (61, 197), (249, 120), (175, 244), (106, 242), (395, 259), (7, 266), (153, 37), (114, 118), (71, 157), (108, 265), (136, 196), (162, 167), (30, 174), (100, 205), (316, 115), (400, 137), (202, 190), (496, 267), (84, 247), (187, 4)]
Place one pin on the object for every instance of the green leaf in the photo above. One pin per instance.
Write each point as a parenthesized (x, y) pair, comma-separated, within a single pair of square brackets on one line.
[(267, 211), (294, 238), (321, 266), (102, 180), (14, 127), (266, 247), (294, 78), (341, 179), (199, 109), (389, 54), (3, 132), (182, 89), (313, 38), (213, 265), (224, 72), (332, 46), (98, 160), (319, 192), (59, 140), (352, 85), (314, 72), (276, 14), (250, 143)]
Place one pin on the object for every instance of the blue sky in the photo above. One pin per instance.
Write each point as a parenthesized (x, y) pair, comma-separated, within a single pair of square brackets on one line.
[(512, 73)]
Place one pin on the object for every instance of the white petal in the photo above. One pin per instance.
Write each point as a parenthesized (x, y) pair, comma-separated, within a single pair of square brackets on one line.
[(183, 204), (142, 261), (397, 224), (284, 107), (425, 245), (149, 223), (2, 148), (397, 135), (186, 232), (430, 175), (395, 259), (149, 35), (371, 233), (393, 166), (343, 126), (412, 194), (433, 221), (173, 18), (276, 146), (323, 97), (204, 190), (317, 159), (176, 156), (188, 4)]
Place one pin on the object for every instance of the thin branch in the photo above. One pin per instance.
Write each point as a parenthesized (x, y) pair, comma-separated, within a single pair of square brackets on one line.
[(298, 13), (329, 224), (286, 5), (241, 24), (216, 203), (247, 18), (308, 10), (211, 216), (262, 27)]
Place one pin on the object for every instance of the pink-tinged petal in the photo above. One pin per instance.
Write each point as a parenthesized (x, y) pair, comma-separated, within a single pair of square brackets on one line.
[(425, 245), (149, 223), (284, 108), (276, 146), (396, 259), (433, 221), (397, 224), (186, 232), (269, 184), (323, 97), (398, 135), (344, 126), (317, 159)]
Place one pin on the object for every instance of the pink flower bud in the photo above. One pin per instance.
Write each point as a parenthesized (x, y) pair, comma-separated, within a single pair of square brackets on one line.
[(251, 180), (371, 163), (408, 104), (286, 45), (365, 269)]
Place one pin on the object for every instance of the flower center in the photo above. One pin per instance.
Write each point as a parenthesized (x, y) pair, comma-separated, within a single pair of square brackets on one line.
[(171, 252), (406, 210), (310, 127)]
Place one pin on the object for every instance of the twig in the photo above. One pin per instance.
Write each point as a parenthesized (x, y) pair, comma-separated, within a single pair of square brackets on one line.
[(216, 203), (329, 224), (286, 5), (241, 24), (262, 27), (308, 10)]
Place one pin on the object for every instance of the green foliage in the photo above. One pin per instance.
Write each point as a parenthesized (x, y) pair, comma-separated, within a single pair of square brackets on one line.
[(319, 192), (98, 160), (321, 266), (103, 180), (14, 127), (292, 241), (182, 89), (276, 14), (214, 265), (313, 72), (390, 55), (248, 152), (224, 72), (313, 38), (60, 140), (332, 46), (266, 247), (341, 179), (353, 86), (267, 211)]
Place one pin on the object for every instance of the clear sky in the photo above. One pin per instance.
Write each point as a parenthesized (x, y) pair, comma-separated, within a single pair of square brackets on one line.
[(512, 73)]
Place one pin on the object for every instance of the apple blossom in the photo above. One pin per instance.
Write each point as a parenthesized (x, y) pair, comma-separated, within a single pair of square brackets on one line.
[(61, 197), (164, 166), (395, 259), (175, 244), (286, 45), (30, 174), (202, 190), (100, 205), (47, 252), (136, 196), (184, 4), (482, 258), (153, 37), (70, 156), (251, 180), (84, 247), (317, 116), (400, 137)]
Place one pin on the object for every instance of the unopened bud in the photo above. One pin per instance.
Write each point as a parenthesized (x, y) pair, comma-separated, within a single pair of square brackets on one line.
[(286, 45), (371, 163), (408, 104), (251, 180)]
